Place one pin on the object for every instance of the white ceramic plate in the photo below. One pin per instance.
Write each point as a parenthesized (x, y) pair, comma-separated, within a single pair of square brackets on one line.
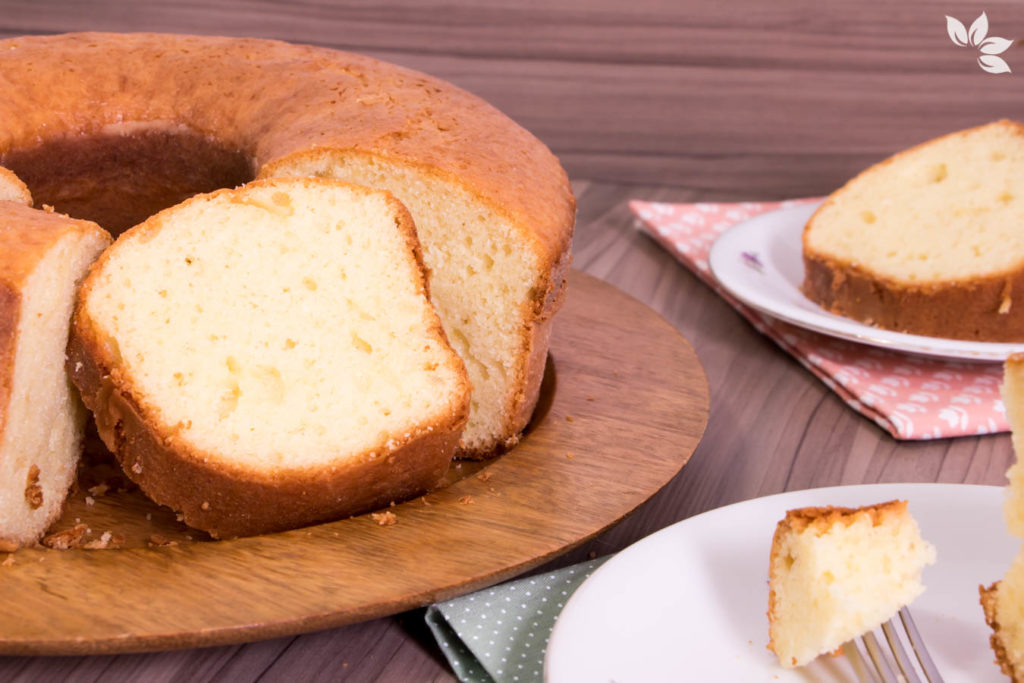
[(759, 262), (689, 602)]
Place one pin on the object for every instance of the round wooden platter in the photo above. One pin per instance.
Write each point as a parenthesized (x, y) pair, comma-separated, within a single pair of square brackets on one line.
[(623, 406)]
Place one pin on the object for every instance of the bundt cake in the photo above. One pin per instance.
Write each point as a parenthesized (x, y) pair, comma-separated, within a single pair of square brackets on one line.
[(266, 357), (43, 257), (929, 241), (125, 125), (836, 573)]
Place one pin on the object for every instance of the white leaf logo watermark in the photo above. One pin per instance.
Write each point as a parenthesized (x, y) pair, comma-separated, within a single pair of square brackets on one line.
[(977, 37)]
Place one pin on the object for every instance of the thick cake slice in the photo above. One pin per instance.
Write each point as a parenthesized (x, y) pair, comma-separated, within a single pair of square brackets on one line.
[(836, 573), (1003, 603), (928, 241), (267, 357), (45, 257)]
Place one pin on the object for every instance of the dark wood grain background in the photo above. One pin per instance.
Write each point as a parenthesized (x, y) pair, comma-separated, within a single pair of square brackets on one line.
[(674, 101)]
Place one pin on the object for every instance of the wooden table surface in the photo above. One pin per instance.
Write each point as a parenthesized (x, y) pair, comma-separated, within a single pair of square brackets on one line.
[(667, 101)]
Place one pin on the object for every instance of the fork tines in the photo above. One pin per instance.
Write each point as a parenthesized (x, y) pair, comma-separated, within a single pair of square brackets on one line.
[(895, 665)]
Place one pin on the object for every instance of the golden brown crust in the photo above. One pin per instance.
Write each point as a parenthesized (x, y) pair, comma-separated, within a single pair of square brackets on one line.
[(970, 309), (987, 308), (823, 518), (229, 500), (988, 604)]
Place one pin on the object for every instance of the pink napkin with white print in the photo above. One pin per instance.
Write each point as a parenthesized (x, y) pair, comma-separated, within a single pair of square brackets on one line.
[(911, 397)]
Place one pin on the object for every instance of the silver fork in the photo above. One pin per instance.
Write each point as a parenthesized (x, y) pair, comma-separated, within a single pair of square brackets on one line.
[(880, 667)]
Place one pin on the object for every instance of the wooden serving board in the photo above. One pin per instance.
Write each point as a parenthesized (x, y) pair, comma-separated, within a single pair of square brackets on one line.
[(623, 406)]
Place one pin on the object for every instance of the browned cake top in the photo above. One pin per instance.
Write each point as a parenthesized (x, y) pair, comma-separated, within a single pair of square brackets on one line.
[(270, 101)]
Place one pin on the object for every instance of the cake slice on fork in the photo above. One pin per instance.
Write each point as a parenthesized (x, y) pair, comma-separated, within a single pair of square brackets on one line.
[(836, 573)]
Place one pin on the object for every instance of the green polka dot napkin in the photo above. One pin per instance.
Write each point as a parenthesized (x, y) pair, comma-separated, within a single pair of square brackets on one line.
[(501, 633)]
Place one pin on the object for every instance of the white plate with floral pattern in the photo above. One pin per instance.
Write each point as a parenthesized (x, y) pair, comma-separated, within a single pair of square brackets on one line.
[(760, 262), (689, 602)]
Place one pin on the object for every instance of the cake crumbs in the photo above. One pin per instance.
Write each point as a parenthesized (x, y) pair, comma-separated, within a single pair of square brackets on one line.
[(569, 418), (8, 561), (493, 491), (426, 502), (590, 398), (66, 539), (483, 476), (107, 541), (386, 518), (99, 490), (33, 491), (8, 546), (180, 516), (591, 555), (89, 500), (137, 467), (466, 500), (158, 541), (570, 456), (204, 506)]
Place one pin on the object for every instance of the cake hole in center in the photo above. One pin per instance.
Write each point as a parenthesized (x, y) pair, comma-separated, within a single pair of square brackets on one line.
[(121, 180)]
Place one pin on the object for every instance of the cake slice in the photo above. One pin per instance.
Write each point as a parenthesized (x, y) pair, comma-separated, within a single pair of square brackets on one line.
[(1013, 400), (12, 189), (267, 357), (836, 573), (45, 257), (928, 241), (1003, 603)]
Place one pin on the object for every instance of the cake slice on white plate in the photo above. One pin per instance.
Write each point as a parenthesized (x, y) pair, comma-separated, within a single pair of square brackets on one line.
[(836, 573), (928, 241)]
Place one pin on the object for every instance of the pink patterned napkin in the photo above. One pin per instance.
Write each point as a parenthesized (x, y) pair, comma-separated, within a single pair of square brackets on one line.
[(912, 397)]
